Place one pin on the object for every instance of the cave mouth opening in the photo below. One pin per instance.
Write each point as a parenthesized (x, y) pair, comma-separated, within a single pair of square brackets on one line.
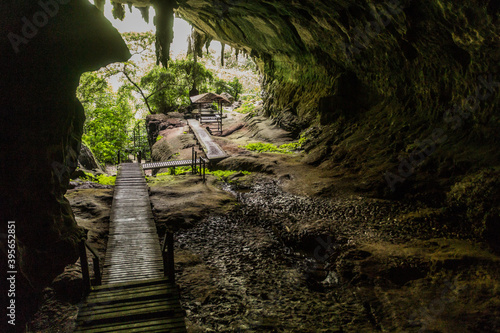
[(421, 77)]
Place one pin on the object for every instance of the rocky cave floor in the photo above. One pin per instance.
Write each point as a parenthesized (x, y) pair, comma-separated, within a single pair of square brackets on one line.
[(290, 249)]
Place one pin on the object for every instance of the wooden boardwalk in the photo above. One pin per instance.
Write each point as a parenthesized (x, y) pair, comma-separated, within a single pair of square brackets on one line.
[(135, 296), (139, 306), (210, 147), (133, 251), (169, 164)]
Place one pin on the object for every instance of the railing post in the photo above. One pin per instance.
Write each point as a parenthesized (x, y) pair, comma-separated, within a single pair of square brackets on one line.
[(204, 170), (167, 252), (195, 162), (192, 161), (164, 255), (85, 268), (97, 271), (170, 257)]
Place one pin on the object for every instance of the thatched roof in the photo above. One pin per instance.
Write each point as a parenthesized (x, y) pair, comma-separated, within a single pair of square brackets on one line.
[(208, 98)]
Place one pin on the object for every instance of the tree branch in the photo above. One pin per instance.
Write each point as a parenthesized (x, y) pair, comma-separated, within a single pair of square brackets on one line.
[(138, 88)]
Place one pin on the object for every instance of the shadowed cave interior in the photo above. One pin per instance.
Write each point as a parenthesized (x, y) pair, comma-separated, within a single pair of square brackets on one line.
[(398, 101)]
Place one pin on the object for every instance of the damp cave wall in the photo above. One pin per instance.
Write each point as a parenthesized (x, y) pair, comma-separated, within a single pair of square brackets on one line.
[(397, 95), (43, 52), (374, 84)]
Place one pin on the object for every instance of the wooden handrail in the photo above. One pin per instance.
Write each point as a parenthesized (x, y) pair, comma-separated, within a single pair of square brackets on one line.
[(202, 161), (85, 268), (83, 246), (168, 256), (95, 261)]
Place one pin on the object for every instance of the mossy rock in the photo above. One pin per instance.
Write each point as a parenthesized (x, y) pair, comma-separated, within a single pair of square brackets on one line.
[(477, 197), (162, 150)]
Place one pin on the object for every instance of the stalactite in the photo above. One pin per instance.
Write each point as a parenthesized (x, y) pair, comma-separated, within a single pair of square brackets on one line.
[(100, 4), (190, 46), (144, 13), (164, 22), (199, 42), (223, 47), (207, 44), (196, 41), (118, 10)]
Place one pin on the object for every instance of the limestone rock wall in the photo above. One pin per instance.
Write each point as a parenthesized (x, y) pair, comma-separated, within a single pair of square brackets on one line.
[(44, 48), (372, 80), (323, 60)]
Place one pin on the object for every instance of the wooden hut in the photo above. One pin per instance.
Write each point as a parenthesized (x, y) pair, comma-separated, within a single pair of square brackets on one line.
[(208, 115)]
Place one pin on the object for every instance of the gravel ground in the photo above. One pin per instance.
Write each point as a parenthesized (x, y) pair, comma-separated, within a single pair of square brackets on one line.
[(269, 262)]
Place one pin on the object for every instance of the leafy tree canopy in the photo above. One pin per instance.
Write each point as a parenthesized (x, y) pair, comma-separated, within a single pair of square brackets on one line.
[(108, 116)]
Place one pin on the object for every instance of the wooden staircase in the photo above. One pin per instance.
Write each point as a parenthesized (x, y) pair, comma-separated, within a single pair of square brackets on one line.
[(211, 117)]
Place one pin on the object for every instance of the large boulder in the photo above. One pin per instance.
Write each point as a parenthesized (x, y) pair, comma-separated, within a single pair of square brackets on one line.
[(154, 124), (87, 160)]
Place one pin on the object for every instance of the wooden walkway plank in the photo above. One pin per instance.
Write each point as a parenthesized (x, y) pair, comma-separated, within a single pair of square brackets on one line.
[(132, 235), (168, 164), (143, 326), (135, 297), (213, 151), (128, 285), (126, 300)]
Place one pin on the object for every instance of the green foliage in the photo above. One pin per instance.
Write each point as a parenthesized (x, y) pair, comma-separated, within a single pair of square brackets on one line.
[(287, 148), (246, 107), (234, 87), (248, 97), (106, 180), (100, 179), (175, 171), (139, 137), (141, 43), (169, 175), (223, 175), (108, 115), (159, 138), (262, 147), (161, 177), (164, 90), (294, 146), (167, 89)]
